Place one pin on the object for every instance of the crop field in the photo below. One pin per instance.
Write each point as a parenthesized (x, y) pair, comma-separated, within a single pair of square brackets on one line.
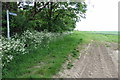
[(107, 32)]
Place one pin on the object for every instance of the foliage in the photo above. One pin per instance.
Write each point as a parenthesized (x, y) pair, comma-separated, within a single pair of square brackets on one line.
[(45, 62), (69, 65), (50, 16), (48, 59), (10, 49), (19, 45)]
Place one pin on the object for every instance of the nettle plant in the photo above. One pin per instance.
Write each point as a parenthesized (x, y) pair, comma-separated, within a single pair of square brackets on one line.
[(20, 45)]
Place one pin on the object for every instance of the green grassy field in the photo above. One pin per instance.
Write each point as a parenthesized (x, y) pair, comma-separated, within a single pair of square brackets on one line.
[(109, 36), (46, 62)]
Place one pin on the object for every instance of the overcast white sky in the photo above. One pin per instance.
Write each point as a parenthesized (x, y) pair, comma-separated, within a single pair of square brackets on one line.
[(102, 15)]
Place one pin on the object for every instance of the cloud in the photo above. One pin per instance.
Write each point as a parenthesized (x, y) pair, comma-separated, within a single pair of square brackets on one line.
[(102, 15)]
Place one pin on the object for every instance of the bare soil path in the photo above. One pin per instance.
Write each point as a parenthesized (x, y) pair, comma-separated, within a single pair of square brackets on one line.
[(98, 60)]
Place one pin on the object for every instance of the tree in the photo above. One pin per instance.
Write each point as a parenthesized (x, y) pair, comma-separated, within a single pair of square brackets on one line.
[(50, 16)]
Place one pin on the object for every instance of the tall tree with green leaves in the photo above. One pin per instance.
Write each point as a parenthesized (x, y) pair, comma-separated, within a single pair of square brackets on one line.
[(50, 16)]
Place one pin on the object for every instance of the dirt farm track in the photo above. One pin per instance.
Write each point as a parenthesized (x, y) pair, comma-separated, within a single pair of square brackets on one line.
[(97, 60)]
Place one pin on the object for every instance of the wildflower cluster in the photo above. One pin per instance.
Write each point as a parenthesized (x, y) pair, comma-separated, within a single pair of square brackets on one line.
[(11, 48), (36, 38), (18, 45)]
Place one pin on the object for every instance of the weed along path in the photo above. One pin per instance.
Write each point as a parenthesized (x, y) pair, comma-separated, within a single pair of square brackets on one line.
[(98, 60)]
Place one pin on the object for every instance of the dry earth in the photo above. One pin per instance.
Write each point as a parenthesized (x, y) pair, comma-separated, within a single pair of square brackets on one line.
[(97, 60)]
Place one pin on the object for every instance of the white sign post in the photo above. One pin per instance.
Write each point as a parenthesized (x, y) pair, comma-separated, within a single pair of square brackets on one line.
[(12, 14), (8, 27)]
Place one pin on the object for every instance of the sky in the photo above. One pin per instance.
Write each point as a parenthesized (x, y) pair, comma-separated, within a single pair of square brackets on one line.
[(102, 15)]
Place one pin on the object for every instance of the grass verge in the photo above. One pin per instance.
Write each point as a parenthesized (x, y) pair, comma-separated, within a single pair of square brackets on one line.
[(46, 62)]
